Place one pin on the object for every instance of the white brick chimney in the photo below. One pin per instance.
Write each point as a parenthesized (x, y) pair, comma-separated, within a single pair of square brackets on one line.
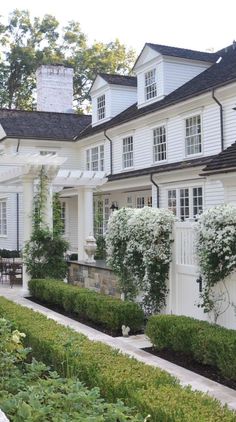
[(54, 88)]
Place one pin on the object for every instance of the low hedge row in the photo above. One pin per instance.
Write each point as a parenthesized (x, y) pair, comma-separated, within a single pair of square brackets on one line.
[(109, 312), (207, 343), (150, 389)]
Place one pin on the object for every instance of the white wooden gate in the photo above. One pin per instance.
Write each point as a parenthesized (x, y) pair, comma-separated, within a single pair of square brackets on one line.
[(184, 289), (184, 292)]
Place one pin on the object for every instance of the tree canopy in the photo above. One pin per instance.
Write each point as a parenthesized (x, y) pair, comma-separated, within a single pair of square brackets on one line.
[(26, 43)]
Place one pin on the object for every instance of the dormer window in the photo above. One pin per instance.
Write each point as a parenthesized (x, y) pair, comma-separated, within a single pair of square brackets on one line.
[(101, 110), (150, 84)]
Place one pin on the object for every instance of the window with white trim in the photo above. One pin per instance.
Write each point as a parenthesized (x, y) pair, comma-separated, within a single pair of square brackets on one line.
[(3, 217), (193, 135), (159, 144), (143, 201), (101, 107), (95, 158), (185, 202), (150, 84), (128, 152)]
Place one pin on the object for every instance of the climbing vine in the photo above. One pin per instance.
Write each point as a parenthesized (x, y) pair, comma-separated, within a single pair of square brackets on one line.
[(44, 252), (216, 252), (139, 252)]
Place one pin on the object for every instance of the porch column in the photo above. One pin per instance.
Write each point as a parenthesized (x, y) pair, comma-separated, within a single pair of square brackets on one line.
[(85, 219), (28, 201)]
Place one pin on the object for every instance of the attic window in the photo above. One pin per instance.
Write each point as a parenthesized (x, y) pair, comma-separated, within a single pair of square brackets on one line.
[(101, 107), (150, 84)]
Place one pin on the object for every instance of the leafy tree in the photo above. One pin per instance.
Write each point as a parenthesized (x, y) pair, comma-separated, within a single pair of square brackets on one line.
[(26, 43)]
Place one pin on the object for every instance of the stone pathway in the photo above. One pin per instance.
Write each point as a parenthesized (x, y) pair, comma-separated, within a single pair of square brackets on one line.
[(131, 346)]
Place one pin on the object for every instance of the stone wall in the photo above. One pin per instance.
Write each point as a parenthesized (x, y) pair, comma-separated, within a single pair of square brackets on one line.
[(96, 277)]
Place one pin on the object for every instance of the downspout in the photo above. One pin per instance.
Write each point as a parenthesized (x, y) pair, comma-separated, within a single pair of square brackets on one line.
[(221, 119), (17, 212), (157, 188), (111, 148)]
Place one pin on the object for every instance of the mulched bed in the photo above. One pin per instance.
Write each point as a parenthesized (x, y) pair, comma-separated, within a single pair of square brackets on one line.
[(91, 324), (186, 361)]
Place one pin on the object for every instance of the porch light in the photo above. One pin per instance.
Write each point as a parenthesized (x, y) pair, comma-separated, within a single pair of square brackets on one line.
[(114, 206)]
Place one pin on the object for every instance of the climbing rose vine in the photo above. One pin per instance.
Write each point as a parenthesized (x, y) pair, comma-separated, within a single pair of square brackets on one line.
[(216, 249), (139, 252)]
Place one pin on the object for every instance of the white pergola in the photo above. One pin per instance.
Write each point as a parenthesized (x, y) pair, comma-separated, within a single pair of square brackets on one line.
[(19, 173)]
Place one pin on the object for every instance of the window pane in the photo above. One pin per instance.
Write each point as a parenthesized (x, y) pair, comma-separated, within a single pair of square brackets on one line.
[(128, 152), (101, 107), (3, 218), (197, 201), (172, 200), (193, 138), (150, 84), (184, 204), (159, 144)]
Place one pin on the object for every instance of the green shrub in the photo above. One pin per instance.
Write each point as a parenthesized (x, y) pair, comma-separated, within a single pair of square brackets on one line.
[(207, 343), (30, 391), (111, 313), (150, 389)]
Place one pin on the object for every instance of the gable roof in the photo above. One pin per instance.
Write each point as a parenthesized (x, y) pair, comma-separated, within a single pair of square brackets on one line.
[(42, 125), (219, 74), (223, 162), (124, 80)]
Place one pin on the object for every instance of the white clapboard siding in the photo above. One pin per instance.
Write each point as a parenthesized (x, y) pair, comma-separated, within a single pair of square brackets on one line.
[(176, 73), (122, 98)]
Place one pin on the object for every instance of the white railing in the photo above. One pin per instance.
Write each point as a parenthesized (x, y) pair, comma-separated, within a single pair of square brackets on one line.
[(184, 238)]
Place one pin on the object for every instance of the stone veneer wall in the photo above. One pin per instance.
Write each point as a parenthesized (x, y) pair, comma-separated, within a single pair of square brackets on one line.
[(93, 276)]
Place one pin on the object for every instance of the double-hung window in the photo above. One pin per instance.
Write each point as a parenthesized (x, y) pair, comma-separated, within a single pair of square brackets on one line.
[(63, 217), (95, 158), (159, 144), (150, 84), (128, 152), (193, 135), (185, 202), (3, 217), (101, 107)]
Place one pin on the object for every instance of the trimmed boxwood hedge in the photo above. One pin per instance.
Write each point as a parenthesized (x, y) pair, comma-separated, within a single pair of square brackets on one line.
[(150, 389), (109, 312), (206, 343)]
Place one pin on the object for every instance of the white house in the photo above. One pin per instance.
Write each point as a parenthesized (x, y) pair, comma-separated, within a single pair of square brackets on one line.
[(162, 138)]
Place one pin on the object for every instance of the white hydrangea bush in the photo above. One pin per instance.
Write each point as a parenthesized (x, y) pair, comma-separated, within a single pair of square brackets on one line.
[(139, 248), (216, 243)]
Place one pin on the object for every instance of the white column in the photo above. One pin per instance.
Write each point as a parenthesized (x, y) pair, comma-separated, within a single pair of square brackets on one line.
[(85, 219), (81, 253), (28, 201)]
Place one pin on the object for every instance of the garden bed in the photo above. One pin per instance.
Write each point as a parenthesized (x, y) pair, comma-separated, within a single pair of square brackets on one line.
[(186, 361)]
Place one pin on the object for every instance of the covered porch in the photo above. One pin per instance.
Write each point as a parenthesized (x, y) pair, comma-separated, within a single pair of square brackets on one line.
[(20, 174)]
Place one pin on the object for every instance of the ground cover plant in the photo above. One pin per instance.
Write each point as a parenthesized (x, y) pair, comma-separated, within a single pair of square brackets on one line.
[(207, 343), (108, 312), (30, 391), (150, 389)]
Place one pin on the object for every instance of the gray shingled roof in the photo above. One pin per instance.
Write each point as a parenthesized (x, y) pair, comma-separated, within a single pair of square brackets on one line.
[(223, 162), (119, 79), (219, 74), (179, 165), (42, 125), (184, 53)]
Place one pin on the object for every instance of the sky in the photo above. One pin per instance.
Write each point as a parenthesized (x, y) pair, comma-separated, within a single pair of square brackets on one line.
[(198, 25)]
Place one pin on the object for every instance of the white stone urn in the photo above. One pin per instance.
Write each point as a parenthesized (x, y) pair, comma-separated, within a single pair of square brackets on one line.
[(90, 248)]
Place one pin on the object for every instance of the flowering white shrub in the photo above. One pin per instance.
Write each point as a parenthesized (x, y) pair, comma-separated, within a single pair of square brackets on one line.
[(216, 243), (139, 248), (216, 252)]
